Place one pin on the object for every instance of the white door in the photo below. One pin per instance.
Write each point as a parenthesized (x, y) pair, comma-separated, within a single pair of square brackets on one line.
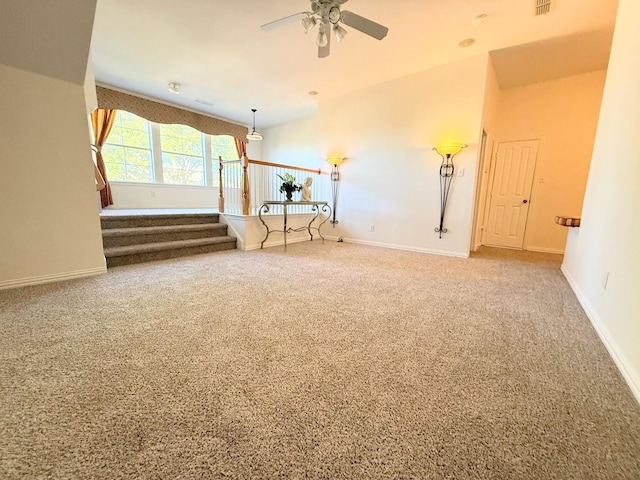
[(513, 171)]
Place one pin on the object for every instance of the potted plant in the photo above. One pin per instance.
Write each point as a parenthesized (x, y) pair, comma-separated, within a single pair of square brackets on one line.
[(289, 185)]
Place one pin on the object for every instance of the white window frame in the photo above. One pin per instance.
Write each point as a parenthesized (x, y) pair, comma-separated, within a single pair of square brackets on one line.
[(150, 150), (204, 140), (210, 179)]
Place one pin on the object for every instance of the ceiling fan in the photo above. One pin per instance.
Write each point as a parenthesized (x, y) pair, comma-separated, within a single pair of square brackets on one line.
[(328, 15)]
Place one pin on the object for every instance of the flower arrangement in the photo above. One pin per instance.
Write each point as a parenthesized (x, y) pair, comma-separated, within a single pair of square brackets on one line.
[(289, 185)]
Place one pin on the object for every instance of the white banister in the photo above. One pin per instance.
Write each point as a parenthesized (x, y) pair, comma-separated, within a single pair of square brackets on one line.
[(243, 193)]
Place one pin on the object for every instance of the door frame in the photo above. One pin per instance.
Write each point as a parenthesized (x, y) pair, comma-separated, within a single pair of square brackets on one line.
[(481, 183)]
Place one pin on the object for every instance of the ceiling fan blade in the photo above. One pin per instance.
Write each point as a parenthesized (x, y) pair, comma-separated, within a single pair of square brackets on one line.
[(364, 25), (323, 52), (267, 27)]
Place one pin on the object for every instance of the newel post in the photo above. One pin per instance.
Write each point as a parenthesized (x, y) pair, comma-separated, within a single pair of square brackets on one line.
[(245, 186), (221, 195)]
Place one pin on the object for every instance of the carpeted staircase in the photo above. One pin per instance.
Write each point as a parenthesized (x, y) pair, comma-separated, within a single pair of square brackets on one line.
[(131, 239)]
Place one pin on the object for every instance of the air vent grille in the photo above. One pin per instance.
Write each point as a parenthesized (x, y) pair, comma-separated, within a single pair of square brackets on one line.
[(541, 7)]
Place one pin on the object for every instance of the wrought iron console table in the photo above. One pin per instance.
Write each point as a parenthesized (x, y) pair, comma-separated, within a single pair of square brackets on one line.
[(316, 208)]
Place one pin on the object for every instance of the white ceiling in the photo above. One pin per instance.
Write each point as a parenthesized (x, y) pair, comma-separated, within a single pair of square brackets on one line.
[(218, 53)]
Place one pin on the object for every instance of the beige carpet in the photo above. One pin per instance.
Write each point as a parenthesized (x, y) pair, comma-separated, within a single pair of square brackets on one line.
[(332, 361)]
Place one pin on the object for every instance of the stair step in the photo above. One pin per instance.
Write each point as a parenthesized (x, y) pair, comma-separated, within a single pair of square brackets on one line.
[(120, 237), (129, 239), (148, 252), (132, 221), (158, 246)]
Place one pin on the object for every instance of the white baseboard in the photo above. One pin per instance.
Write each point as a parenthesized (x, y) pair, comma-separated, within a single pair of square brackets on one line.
[(404, 247), (558, 251), (54, 277), (629, 374), (361, 242), (528, 248)]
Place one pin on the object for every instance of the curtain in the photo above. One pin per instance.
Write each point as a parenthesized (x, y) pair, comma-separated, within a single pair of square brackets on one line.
[(102, 120), (100, 184), (241, 147)]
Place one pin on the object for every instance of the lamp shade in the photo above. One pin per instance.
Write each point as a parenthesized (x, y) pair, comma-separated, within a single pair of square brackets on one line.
[(254, 136), (308, 23), (335, 160), (449, 148), (339, 32)]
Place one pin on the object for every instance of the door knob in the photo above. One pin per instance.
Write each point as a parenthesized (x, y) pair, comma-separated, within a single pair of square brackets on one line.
[(525, 201)]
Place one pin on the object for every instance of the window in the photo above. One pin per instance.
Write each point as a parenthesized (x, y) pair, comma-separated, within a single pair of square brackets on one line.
[(223, 146), (182, 155), (140, 151), (127, 153)]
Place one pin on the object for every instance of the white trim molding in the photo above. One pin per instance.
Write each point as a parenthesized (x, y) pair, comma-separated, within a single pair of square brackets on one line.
[(558, 251), (406, 248), (54, 277)]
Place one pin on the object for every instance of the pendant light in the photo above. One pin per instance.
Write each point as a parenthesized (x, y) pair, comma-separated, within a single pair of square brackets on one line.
[(254, 135)]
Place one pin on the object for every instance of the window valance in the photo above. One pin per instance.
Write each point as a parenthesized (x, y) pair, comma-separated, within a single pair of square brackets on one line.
[(161, 113)]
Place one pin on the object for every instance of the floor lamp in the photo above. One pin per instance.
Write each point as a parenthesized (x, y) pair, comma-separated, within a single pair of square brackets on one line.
[(335, 162), (446, 152)]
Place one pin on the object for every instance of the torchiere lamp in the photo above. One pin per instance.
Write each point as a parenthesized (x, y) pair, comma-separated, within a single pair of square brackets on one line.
[(447, 152), (335, 161)]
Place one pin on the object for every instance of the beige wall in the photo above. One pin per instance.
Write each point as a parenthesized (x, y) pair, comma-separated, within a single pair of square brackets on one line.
[(602, 259), (563, 114), (48, 209), (379, 135), (294, 144), (391, 179)]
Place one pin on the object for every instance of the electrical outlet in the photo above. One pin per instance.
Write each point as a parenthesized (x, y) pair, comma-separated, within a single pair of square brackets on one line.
[(372, 228), (461, 172)]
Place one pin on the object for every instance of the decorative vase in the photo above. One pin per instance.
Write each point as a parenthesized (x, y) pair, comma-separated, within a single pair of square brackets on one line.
[(289, 195)]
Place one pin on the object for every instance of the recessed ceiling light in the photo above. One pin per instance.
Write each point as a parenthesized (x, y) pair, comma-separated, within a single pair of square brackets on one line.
[(313, 93), (174, 87), (466, 42)]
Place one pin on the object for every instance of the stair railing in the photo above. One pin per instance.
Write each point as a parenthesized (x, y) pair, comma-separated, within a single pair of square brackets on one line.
[(231, 186), (246, 183)]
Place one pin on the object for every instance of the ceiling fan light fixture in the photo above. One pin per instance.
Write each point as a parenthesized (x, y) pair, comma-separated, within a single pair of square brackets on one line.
[(327, 14), (339, 32), (322, 39), (307, 23), (254, 135), (334, 15)]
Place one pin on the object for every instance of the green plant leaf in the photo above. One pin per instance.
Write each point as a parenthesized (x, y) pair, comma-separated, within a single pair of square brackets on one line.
[(287, 178)]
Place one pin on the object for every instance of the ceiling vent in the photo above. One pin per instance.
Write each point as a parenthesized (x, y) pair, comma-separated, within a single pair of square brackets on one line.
[(204, 102), (541, 7)]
